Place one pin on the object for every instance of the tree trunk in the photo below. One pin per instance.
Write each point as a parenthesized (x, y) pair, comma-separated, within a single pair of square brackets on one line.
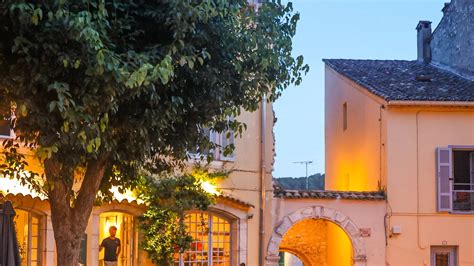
[(70, 218)]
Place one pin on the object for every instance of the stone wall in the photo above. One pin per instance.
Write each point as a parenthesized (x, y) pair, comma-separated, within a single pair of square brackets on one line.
[(452, 43), (307, 240)]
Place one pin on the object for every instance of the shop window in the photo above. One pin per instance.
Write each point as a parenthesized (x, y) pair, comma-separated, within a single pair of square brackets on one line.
[(212, 241), (125, 224), (28, 229)]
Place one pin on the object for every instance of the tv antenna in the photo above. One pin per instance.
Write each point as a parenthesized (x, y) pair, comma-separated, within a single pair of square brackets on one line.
[(306, 163)]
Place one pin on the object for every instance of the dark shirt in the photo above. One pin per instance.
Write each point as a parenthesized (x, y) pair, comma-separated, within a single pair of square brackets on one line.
[(110, 248)]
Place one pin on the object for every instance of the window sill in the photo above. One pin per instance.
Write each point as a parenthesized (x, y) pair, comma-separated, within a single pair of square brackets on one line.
[(462, 212)]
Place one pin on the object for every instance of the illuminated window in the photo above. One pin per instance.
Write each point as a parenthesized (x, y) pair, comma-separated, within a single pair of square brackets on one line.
[(27, 227), (125, 232), (212, 241)]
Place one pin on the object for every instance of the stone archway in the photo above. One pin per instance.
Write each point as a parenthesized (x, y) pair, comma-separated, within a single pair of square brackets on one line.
[(316, 212)]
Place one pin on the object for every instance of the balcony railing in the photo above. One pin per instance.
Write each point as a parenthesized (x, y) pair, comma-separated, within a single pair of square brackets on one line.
[(463, 197)]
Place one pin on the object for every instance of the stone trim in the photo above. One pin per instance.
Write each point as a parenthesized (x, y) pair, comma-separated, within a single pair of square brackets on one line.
[(317, 212)]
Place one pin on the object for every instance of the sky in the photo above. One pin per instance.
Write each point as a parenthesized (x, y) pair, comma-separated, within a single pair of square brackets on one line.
[(355, 29)]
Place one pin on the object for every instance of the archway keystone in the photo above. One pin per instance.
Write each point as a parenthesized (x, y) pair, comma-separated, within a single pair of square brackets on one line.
[(317, 212)]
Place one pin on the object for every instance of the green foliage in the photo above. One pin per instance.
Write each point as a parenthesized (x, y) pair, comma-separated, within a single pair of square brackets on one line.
[(104, 89), (168, 198), (133, 80)]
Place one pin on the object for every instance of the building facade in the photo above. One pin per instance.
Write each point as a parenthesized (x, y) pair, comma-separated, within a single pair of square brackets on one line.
[(227, 234), (399, 175)]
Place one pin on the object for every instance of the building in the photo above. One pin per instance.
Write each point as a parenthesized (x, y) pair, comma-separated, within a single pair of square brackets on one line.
[(399, 159), (236, 213), (399, 174)]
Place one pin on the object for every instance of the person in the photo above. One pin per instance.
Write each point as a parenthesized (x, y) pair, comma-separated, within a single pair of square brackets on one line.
[(111, 246)]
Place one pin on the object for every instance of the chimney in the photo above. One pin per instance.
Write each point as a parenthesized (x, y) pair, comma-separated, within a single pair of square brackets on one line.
[(423, 41)]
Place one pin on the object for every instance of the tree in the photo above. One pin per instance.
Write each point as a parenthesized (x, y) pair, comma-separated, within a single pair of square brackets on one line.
[(103, 89)]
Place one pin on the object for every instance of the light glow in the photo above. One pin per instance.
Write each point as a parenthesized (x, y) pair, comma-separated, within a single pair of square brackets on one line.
[(14, 187), (209, 187)]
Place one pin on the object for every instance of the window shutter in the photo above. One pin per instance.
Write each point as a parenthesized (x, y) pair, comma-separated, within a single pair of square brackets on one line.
[(445, 181)]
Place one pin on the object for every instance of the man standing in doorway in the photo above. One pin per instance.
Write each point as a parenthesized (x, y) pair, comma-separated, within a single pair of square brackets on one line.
[(111, 245)]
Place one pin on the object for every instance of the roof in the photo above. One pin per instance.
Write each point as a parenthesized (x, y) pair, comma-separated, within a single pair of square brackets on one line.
[(235, 200), (401, 80), (327, 194)]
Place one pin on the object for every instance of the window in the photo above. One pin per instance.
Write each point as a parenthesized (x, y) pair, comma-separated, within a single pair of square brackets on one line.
[(5, 129), (455, 179), (211, 241), (344, 116), (222, 140), (443, 256), (28, 230)]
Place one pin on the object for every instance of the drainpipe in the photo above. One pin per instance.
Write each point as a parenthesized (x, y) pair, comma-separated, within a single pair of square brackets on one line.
[(263, 129)]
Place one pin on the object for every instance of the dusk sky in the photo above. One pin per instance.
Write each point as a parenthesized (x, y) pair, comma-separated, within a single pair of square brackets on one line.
[(370, 29)]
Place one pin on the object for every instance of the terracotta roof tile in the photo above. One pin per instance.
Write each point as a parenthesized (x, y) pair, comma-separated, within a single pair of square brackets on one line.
[(327, 194), (236, 200)]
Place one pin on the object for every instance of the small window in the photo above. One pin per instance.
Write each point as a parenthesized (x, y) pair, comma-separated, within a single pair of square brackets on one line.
[(443, 256), (344, 116), (5, 130), (222, 140)]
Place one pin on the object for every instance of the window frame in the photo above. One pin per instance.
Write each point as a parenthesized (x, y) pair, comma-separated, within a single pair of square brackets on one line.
[(40, 236), (453, 250), (210, 223), (452, 149), (12, 133), (218, 153)]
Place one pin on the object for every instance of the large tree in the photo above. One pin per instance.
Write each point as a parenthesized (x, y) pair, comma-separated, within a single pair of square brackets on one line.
[(102, 89)]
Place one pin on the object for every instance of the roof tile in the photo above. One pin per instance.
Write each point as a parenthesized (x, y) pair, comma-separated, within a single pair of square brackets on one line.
[(401, 80)]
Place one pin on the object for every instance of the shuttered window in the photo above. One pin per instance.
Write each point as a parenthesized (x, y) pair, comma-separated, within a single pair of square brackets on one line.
[(444, 186), (455, 179)]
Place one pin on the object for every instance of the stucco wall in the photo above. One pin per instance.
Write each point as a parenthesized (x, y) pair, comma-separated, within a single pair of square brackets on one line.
[(412, 138), (244, 180), (353, 156), (453, 40)]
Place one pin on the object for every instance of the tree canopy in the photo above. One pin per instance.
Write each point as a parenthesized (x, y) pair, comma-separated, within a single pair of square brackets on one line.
[(104, 88)]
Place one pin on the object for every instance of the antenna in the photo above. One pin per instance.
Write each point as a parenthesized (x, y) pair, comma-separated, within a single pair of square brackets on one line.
[(306, 165)]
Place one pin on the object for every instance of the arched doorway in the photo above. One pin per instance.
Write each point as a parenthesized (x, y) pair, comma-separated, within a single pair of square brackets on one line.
[(335, 232), (317, 242)]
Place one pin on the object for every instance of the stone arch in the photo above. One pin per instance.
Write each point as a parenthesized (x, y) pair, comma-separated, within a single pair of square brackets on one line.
[(317, 212)]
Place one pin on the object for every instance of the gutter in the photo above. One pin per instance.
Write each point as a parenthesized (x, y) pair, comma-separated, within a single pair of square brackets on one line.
[(430, 103), (261, 225)]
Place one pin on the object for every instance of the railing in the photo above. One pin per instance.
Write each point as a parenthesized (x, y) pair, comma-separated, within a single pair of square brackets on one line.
[(463, 197)]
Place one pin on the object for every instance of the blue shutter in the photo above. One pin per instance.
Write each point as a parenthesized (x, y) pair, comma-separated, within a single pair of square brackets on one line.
[(444, 179)]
